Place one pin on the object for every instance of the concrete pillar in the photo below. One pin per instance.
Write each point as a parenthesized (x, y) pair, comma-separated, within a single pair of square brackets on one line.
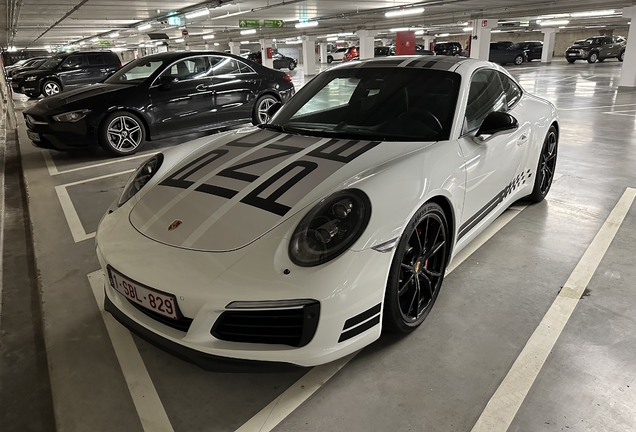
[(548, 44), (309, 54), (366, 43), (267, 62), (628, 73), (428, 40), (323, 52), (480, 45), (235, 47)]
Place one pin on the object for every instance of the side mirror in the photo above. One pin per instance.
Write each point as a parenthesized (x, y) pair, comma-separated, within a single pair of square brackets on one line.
[(166, 82), (273, 109), (496, 122)]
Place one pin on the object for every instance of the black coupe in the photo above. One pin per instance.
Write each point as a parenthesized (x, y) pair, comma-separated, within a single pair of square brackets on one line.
[(157, 96)]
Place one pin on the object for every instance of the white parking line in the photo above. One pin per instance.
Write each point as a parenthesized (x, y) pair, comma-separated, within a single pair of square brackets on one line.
[(53, 170), (72, 218), (504, 404), (626, 113), (270, 416), (151, 412)]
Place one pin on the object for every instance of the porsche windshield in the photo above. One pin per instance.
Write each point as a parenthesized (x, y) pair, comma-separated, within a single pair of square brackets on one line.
[(379, 103)]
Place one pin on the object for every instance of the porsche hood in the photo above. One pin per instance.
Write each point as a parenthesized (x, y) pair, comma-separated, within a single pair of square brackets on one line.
[(223, 197)]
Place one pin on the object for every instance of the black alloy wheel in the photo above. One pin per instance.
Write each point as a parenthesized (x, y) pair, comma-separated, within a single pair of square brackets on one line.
[(329, 59), (519, 60), (417, 271), (122, 133), (50, 88), (292, 65), (262, 105), (547, 164), (592, 58)]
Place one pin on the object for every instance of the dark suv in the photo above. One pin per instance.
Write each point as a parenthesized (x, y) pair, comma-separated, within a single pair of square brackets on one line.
[(597, 48), (65, 71), (448, 48)]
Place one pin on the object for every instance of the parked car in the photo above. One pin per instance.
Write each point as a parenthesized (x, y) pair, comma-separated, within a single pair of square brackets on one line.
[(501, 53), (533, 49), (419, 50), (448, 48), (303, 239), (506, 44), (156, 96), (31, 64), (336, 55), (66, 71), (597, 48), (353, 53), (279, 60)]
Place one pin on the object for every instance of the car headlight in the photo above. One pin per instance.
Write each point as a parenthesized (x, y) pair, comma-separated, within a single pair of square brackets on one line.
[(72, 117), (140, 177), (330, 228)]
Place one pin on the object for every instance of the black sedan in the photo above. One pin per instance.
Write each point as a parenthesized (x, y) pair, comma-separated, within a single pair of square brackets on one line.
[(157, 96), (502, 53), (279, 61)]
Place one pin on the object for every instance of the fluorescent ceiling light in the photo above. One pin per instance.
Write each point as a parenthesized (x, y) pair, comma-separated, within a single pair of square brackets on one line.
[(552, 16), (442, 35), (179, 40), (248, 32), (419, 32), (332, 38), (554, 23), (82, 43), (400, 29), (463, 24), (340, 41), (346, 34), (208, 36), (467, 29), (144, 27), (403, 12), (197, 13), (293, 42), (114, 35), (306, 24), (245, 42), (95, 39), (592, 13), (495, 31), (231, 14), (216, 44)]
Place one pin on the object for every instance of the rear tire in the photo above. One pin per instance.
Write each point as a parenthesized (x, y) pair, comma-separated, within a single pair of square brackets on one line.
[(329, 59), (122, 133), (519, 60), (544, 174), (259, 114), (571, 61), (292, 66), (50, 88), (417, 270), (593, 57)]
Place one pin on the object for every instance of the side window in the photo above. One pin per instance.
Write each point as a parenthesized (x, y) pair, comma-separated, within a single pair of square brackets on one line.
[(188, 69), (73, 62), (245, 68), (227, 66), (486, 95), (511, 89), (95, 59)]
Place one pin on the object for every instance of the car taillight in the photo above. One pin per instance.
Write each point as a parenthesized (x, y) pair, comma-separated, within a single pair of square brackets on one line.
[(287, 78)]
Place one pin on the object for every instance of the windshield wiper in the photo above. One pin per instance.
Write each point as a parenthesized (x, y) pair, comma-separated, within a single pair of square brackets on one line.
[(278, 128)]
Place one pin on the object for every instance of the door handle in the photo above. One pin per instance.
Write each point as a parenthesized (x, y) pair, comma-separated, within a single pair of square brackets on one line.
[(201, 87)]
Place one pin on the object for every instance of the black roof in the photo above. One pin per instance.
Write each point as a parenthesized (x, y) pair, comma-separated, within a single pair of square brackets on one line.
[(183, 54)]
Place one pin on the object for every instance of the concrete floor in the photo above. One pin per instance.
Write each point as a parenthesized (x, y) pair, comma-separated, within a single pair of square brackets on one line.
[(441, 377)]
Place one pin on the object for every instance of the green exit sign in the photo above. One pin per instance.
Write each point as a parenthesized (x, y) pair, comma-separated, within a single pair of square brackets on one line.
[(175, 21), (273, 23), (247, 23)]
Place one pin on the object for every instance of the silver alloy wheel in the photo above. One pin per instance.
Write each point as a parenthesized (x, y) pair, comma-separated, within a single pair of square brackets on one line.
[(593, 58), (124, 133), (262, 108), (518, 60), (51, 88)]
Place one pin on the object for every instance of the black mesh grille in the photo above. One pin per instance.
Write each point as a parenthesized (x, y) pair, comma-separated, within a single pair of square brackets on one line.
[(293, 327), (182, 324)]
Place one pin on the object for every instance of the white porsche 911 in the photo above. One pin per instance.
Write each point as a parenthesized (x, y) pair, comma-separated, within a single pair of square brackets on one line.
[(301, 240)]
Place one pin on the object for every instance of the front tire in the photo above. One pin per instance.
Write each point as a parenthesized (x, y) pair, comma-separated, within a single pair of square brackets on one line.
[(263, 103), (547, 164), (122, 133), (329, 59), (417, 270), (292, 66), (621, 56), (519, 60), (592, 58), (50, 88)]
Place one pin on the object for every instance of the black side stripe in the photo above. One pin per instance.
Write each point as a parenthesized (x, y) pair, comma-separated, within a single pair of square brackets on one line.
[(361, 328), (480, 215), (350, 330)]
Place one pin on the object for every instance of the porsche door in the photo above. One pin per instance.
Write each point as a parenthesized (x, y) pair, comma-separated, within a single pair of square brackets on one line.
[(493, 165)]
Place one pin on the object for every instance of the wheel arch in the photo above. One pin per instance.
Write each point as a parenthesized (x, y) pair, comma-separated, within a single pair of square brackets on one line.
[(136, 113), (50, 78), (447, 207), (268, 91)]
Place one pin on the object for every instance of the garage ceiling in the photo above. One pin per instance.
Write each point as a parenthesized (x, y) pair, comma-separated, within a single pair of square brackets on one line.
[(37, 24)]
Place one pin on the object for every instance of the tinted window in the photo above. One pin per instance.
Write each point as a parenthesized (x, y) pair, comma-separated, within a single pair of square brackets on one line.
[(73, 61), (485, 96), (95, 59), (245, 68), (388, 104), (188, 69), (52, 63), (227, 66), (511, 89), (134, 72)]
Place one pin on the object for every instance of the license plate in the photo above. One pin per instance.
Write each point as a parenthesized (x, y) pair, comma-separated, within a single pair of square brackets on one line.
[(161, 303), (35, 137)]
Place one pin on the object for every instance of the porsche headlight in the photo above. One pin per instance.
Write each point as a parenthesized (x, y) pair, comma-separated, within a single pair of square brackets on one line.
[(72, 116), (330, 228), (140, 177), (30, 78)]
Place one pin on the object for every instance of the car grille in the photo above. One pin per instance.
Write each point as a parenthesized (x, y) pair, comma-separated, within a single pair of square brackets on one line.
[(293, 327), (182, 324)]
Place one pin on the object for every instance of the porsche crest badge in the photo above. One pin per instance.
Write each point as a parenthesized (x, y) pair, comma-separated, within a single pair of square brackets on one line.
[(174, 225)]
